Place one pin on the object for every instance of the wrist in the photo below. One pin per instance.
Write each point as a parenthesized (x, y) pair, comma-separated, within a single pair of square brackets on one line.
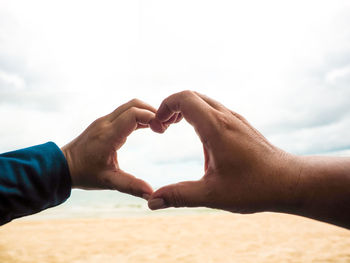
[(289, 194), (68, 155)]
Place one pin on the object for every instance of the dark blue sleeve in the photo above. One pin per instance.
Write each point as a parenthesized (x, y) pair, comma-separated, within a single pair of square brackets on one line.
[(31, 180)]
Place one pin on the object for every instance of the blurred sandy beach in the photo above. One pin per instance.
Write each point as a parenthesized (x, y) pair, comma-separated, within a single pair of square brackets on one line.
[(215, 237)]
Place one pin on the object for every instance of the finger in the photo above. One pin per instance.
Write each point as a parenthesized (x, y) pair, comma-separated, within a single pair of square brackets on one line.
[(172, 119), (184, 194), (129, 120), (142, 126), (132, 103), (179, 118), (193, 108), (241, 118), (129, 184), (158, 126)]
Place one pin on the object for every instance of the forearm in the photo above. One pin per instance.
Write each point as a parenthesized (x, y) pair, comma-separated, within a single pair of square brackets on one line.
[(323, 190)]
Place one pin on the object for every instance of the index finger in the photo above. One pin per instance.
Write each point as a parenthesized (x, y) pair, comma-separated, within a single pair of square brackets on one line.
[(193, 108), (130, 119)]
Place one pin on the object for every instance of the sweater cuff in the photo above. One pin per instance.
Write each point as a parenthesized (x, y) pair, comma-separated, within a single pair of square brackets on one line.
[(58, 173)]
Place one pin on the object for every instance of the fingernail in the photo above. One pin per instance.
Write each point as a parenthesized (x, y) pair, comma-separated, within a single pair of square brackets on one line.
[(156, 203), (145, 196)]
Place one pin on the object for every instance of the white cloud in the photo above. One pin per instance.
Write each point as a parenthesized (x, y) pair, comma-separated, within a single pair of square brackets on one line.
[(338, 75), (11, 81), (282, 64)]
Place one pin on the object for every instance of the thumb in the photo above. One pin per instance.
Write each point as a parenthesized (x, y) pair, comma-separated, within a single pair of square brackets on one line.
[(183, 194), (129, 184)]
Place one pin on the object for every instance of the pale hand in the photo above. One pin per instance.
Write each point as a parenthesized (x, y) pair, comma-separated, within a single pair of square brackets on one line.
[(92, 156)]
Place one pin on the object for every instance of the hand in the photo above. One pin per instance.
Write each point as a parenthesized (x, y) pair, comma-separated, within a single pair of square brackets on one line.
[(243, 171), (92, 157)]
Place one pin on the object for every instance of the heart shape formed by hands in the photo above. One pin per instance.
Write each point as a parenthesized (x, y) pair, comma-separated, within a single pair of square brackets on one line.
[(242, 169)]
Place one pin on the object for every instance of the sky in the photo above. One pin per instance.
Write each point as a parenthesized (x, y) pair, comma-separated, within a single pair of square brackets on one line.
[(284, 65)]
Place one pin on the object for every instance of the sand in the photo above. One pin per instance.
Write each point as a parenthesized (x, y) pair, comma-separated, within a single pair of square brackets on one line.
[(220, 237)]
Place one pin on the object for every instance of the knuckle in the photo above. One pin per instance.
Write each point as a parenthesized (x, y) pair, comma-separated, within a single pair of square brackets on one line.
[(97, 129), (219, 123), (238, 116), (98, 121), (226, 122), (132, 111), (187, 93), (176, 198), (135, 101)]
